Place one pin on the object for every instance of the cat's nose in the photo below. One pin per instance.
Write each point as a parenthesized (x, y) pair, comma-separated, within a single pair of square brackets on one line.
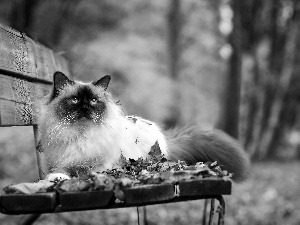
[(85, 105)]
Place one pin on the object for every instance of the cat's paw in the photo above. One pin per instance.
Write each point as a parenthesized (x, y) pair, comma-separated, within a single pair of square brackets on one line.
[(54, 177)]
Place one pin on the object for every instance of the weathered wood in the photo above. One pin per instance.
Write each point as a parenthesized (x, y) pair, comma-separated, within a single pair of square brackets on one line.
[(26, 67), (139, 195), (105, 199), (21, 56), (71, 201), (208, 186), (28, 203), (41, 157), (18, 100)]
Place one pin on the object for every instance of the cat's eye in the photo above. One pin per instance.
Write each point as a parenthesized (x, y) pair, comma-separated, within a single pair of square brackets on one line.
[(93, 101), (74, 100)]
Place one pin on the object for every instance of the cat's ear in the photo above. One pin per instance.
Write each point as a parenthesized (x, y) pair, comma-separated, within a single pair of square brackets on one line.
[(60, 80), (103, 82)]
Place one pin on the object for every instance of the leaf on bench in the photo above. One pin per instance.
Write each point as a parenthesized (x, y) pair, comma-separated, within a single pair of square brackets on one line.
[(72, 185), (29, 188)]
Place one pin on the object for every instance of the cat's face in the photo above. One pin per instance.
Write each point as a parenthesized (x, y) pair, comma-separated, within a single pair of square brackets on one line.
[(78, 102)]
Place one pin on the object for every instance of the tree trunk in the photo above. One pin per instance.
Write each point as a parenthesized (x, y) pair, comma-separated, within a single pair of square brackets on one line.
[(174, 22), (253, 104), (22, 15), (281, 90), (232, 98), (260, 99)]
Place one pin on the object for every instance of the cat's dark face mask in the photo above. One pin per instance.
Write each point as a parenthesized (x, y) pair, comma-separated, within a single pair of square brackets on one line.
[(83, 104)]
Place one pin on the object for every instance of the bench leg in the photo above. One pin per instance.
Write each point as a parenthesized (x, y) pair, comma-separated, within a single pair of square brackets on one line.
[(30, 219), (145, 215), (204, 211), (221, 211), (212, 211), (144, 218)]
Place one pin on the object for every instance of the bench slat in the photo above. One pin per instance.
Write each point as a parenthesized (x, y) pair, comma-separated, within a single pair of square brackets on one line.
[(21, 56), (17, 100), (105, 199)]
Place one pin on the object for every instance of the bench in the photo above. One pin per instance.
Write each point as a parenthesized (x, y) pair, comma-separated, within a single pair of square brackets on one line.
[(26, 70)]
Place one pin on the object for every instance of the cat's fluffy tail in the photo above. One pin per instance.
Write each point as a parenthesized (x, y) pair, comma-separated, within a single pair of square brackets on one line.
[(194, 145)]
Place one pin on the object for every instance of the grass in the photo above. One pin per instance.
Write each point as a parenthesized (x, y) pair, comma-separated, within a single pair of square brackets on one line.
[(270, 196)]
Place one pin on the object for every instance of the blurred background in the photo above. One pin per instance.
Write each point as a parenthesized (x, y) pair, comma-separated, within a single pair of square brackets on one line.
[(228, 64)]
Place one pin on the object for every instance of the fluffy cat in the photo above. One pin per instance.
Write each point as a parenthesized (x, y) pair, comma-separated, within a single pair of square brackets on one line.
[(83, 129)]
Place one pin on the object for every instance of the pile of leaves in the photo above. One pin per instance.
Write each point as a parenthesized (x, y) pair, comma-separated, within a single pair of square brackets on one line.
[(154, 169)]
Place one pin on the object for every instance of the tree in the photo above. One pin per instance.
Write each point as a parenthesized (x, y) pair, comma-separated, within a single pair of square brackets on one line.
[(270, 40), (230, 115), (284, 84), (174, 23)]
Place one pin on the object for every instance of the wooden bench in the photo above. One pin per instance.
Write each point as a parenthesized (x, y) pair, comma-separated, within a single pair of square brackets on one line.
[(26, 70)]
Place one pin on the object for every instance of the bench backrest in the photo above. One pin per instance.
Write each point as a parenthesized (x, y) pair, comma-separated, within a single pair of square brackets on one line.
[(26, 71)]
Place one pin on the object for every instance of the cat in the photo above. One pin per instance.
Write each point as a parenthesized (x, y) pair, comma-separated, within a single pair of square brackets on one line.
[(83, 129)]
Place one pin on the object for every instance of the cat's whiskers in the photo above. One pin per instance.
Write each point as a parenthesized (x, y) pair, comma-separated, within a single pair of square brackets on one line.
[(97, 118)]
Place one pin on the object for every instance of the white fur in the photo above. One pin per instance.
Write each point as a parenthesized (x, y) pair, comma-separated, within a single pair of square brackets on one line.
[(93, 145), (57, 177)]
